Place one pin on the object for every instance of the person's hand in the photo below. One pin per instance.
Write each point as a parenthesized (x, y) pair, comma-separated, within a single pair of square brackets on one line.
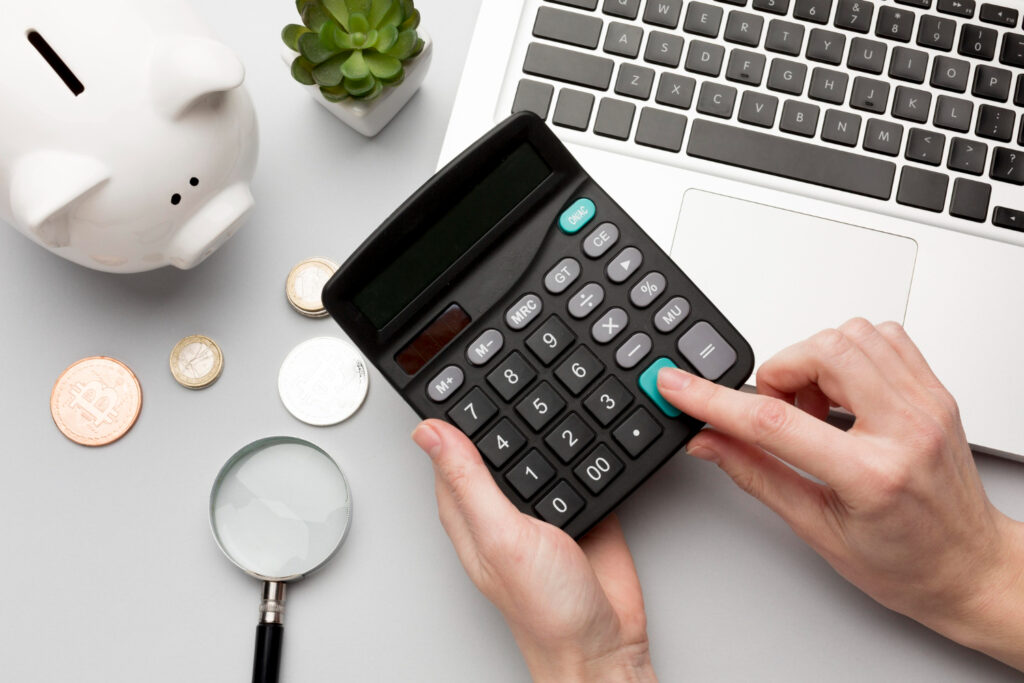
[(576, 611), (900, 510)]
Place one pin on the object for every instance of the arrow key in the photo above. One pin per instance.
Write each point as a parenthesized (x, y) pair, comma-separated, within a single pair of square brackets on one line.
[(1008, 218), (967, 156), (624, 264)]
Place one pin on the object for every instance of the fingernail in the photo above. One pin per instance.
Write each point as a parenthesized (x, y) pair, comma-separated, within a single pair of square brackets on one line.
[(426, 437), (701, 452), (673, 379)]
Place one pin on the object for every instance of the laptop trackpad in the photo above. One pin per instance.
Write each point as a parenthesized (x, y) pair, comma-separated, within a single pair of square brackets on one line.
[(781, 276)]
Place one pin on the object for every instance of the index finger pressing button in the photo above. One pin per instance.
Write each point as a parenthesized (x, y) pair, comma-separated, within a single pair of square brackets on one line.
[(707, 351)]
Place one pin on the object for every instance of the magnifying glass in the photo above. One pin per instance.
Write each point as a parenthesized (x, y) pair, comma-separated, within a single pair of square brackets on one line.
[(279, 509)]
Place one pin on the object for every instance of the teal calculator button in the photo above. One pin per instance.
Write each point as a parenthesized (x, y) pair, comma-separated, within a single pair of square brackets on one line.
[(576, 216), (649, 385)]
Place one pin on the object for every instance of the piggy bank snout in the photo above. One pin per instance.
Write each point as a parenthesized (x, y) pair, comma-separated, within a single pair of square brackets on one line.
[(212, 225)]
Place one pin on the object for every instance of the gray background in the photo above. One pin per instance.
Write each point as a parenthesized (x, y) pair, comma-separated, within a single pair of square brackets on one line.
[(107, 566)]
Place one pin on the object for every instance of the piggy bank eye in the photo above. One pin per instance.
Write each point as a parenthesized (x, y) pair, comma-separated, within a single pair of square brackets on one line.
[(175, 199)]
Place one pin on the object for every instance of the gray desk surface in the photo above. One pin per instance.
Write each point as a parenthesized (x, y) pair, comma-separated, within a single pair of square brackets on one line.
[(107, 568)]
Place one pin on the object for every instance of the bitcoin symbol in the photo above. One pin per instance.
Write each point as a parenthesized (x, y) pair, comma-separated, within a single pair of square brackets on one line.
[(95, 401)]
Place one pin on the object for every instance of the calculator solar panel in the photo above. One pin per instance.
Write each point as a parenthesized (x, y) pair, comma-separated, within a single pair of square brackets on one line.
[(513, 298)]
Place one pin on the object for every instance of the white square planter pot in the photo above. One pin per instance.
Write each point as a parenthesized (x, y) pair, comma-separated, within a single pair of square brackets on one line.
[(369, 118)]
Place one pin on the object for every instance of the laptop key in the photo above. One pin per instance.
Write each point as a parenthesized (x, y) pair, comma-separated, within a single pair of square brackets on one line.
[(895, 24), (1008, 218), (772, 6), (569, 66), (716, 99), (920, 4), (970, 200), (922, 189), (950, 74), (791, 158), (572, 28), (705, 58), (996, 14), (826, 46), (908, 65), (675, 90), (953, 113), (936, 32), (578, 4), (924, 146), (883, 137), (614, 118), (995, 123), (627, 9), (1007, 166), (828, 85), (786, 76), (854, 15), (967, 156), (758, 109), (1012, 52), (533, 96), (977, 41), (815, 11), (785, 37), (664, 48), (841, 127), (992, 83), (911, 105), (960, 8), (660, 129), (703, 19), (745, 67), (573, 109), (623, 40), (634, 81), (744, 28), (663, 12), (1018, 94), (869, 95), (866, 55), (799, 118)]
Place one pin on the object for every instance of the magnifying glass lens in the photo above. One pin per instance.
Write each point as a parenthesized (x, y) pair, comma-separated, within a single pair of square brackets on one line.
[(280, 508)]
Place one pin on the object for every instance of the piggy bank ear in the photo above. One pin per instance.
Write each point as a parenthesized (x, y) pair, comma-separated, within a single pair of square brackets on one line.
[(185, 69), (46, 184)]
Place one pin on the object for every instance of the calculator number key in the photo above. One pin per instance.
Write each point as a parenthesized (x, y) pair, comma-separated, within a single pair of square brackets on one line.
[(550, 340), (560, 506), (472, 412), (598, 469), (501, 443), (647, 290), (637, 433), (530, 474), (484, 347), (609, 325), (523, 311), (512, 376), (600, 240), (707, 351), (562, 275), (447, 382), (569, 438), (578, 370), (608, 401), (586, 300), (633, 351), (540, 406)]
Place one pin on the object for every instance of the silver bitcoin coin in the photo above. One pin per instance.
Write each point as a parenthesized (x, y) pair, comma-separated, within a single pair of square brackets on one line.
[(305, 282), (323, 381)]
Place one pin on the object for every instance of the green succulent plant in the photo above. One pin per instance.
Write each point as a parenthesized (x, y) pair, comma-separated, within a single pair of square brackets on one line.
[(353, 48)]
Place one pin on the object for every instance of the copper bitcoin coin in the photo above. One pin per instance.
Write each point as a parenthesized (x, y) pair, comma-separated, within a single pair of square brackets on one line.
[(96, 401)]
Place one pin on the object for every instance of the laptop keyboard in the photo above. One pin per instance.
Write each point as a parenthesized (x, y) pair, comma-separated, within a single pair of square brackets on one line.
[(920, 102)]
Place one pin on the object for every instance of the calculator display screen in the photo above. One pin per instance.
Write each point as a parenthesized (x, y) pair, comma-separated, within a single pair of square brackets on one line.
[(441, 242)]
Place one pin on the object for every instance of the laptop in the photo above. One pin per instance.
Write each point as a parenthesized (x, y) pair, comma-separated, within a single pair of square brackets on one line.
[(804, 161)]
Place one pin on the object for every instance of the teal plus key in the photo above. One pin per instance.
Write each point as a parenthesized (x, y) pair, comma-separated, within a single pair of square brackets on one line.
[(576, 216), (649, 385)]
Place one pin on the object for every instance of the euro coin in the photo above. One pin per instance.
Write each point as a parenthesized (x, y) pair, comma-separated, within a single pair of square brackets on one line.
[(96, 401), (196, 362), (305, 283), (323, 381)]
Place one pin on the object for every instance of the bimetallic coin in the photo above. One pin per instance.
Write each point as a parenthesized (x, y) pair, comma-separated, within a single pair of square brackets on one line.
[(96, 401), (196, 362), (323, 381), (306, 282)]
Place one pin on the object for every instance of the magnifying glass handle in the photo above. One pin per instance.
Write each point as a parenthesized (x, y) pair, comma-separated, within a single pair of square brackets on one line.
[(266, 665)]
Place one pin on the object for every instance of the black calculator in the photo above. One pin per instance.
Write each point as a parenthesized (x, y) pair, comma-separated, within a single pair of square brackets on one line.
[(515, 299)]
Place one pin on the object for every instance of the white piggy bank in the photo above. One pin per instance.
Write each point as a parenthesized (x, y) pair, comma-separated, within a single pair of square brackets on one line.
[(127, 141)]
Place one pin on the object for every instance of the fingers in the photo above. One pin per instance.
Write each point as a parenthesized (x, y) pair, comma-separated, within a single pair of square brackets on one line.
[(465, 487), (842, 371), (776, 426), (795, 498), (912, 357), (606, 549)]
